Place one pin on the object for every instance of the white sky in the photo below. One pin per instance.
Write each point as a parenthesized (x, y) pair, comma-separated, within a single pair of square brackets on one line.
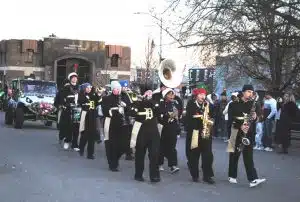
[(111, 21)]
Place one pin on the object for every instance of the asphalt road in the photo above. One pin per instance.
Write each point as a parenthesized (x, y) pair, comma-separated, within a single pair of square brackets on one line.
[(34, 168)]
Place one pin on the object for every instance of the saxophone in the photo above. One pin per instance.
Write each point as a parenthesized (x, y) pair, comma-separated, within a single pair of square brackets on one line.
[(248, 121), (207, 123)]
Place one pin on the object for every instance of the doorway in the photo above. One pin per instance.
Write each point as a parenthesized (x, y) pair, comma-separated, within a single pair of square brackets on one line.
[(66, 66)]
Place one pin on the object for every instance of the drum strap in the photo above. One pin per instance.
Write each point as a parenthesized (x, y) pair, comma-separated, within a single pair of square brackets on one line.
[(106, 128), (82, 121), (134, 134), (160, 127)]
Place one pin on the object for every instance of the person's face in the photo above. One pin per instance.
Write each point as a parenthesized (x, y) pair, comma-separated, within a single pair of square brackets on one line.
[(116, 91), (247, 94), (88, 89), (201, 97), (170, 96), (74, 79)]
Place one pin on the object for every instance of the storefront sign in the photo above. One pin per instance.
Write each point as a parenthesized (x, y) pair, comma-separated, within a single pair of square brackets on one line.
[(74, 47)]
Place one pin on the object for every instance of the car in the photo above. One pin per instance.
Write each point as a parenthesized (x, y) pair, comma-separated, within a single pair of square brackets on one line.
[(31, 100)]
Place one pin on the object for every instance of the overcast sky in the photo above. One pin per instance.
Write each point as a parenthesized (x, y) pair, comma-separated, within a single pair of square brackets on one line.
[(111, 21)]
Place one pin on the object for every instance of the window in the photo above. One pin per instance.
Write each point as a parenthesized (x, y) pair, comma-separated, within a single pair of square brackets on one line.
[(114, 60), (29, 56)]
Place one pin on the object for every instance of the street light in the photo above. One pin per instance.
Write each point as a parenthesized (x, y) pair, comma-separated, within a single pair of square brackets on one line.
[(161, 28)]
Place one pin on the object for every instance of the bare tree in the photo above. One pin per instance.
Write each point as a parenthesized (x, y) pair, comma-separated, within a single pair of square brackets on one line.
[(150, 61), (262, 36)]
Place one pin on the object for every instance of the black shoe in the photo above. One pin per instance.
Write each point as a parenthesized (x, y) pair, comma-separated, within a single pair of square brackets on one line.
[(80, 153), (140, 179), (209, 180), (114, 169), (195, 179), (98, 141), (91, 157), (155, 179)]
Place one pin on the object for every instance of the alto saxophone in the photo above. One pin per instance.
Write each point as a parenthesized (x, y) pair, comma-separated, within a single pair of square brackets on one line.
[(207, 123)]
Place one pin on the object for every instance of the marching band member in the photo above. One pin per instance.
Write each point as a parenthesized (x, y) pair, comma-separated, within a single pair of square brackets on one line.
[(59, 106), (88, 101), (145, 136), (115, 126), (198, 139), (170, 130), (244, 114), (70, 126)]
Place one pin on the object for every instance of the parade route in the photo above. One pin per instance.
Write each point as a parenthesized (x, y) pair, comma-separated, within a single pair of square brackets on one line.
[(34, 168)]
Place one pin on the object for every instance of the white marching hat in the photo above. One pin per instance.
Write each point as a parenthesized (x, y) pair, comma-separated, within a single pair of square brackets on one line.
[(166, 91), (115, 84), (72, 74)]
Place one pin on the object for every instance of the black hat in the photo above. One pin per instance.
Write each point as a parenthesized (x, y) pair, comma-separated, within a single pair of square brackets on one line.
[(247, 87)]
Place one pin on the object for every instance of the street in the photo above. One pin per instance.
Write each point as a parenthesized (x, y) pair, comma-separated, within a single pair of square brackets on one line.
[(34, 168)]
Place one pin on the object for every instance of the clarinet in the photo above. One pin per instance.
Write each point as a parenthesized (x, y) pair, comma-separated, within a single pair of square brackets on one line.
[(248, 120)]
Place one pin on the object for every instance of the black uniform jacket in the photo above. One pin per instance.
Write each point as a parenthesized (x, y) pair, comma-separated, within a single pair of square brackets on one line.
[(237, 110), (192, 109), (139, 106), (67, 96)]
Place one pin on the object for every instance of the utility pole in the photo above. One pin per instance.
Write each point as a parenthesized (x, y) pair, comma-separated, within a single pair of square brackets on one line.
[(160, 42)]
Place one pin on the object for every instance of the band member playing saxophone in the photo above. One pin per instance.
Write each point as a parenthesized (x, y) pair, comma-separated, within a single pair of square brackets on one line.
[(115, 126), (244, 118), (70, 116), (169, 120), (145, 136), (88, 101), (199, 139)]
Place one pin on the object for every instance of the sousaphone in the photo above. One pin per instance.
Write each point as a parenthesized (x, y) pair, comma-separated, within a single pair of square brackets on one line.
[(169, 75)]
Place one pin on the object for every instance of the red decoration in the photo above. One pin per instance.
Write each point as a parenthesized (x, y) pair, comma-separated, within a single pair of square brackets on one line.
[(75, 67), (197, 91)]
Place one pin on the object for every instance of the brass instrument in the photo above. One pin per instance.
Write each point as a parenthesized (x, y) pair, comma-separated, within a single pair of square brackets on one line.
[(207, 127), (173, 115), (207, 123), (248, 119), (169, 75)]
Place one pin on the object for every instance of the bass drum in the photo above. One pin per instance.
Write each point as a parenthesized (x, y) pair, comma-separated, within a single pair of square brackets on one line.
[(76, 113)]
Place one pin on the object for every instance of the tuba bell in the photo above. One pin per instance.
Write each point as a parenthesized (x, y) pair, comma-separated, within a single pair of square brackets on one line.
[(169, 75)]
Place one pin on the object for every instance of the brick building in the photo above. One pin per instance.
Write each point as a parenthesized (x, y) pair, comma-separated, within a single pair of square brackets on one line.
[(54, 58)]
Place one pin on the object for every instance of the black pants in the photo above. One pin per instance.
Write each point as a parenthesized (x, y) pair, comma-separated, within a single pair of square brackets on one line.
[(148, 139), (89, 139), (248, 162), (204, 149), (68, 129), (168, 143), (113, 153)]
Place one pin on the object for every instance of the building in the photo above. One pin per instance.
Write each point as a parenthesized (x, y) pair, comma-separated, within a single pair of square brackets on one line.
[(54, 58), (144, 76)]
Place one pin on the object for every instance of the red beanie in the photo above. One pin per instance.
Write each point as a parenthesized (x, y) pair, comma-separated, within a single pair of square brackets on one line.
[(199, 91)]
